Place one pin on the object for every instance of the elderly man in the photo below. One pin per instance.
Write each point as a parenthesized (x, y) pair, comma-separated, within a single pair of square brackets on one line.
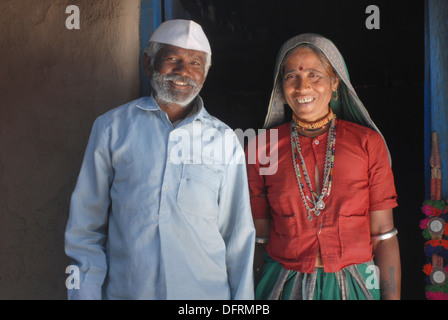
[(155, 213)]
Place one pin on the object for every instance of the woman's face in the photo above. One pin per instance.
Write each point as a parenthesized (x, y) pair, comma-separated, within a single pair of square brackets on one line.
[(307, 86)]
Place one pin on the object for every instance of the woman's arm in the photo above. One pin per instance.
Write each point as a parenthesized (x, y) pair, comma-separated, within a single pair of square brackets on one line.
[(387, 254), (262, 232)]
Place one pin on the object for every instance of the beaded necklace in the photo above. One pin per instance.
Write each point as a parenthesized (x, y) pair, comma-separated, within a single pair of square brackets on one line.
[(316, 125), (318, 201)]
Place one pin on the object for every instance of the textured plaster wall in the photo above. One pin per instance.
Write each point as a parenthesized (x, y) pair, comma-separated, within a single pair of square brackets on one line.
[(53, 83)]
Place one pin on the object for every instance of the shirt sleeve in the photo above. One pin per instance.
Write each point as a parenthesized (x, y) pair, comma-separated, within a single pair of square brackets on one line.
[(257, 188), (237, 229), (381, 180), (85, 234)]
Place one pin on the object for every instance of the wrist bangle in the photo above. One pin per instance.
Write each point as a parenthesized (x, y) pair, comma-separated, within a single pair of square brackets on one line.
[(385, 236), (261, 240)]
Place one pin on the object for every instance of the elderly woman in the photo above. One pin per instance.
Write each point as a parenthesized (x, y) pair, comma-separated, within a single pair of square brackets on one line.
[(323, 210)]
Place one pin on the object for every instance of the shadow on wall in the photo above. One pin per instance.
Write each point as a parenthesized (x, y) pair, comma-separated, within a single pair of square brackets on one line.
[(54, 83)]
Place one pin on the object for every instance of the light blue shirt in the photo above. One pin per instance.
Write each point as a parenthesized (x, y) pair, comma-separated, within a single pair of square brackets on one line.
[(161, 212)]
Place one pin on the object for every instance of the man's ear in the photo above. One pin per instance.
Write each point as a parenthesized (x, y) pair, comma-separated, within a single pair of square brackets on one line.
[(147, 65)]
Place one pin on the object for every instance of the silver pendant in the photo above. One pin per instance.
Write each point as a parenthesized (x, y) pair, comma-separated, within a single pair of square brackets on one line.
[(320, 205)]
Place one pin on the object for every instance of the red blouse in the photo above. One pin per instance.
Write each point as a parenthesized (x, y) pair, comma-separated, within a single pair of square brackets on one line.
[(362, 182)]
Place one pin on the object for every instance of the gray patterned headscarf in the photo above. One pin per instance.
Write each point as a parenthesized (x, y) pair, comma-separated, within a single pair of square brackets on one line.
[(348, 106)]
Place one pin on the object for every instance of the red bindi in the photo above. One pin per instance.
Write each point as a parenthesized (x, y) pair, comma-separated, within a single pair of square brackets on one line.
[(300, 68)]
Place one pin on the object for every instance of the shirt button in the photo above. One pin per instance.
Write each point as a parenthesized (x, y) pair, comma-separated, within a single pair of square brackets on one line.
[(165, 187), (316, 142)]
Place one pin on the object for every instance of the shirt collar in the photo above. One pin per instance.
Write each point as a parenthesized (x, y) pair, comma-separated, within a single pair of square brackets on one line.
[(149, 104)]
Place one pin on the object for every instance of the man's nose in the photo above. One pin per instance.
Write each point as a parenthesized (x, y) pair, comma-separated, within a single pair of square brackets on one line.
[(181, 68)]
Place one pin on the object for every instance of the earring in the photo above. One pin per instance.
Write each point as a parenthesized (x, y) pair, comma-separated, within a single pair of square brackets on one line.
[(334, 96)]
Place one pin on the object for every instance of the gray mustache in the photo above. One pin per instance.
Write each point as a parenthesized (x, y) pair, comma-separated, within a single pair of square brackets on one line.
[(175, 77)]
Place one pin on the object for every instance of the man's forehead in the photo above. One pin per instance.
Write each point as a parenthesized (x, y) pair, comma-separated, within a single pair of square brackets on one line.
[(170, 49)]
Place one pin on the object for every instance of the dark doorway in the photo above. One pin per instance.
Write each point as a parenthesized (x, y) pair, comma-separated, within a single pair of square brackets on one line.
[(386, 67)]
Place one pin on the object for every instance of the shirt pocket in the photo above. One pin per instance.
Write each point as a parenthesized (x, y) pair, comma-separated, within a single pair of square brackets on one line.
[(199, 191), (283, 218), (354, 234), (285, 226)]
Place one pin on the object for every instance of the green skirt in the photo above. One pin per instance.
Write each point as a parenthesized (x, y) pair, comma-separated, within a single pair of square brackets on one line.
[(356, 282)]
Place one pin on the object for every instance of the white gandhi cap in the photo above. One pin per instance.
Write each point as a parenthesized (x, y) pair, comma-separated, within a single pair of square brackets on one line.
[(182, 33)]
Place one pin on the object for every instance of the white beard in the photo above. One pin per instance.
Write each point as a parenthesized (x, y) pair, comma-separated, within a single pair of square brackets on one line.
[(160, 85)]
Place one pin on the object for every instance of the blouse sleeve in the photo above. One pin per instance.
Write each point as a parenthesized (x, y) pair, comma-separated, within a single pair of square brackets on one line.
[(382, 187), (257, 188)]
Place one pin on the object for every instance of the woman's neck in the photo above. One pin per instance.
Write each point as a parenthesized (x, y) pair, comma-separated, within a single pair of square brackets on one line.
[(314, 128)]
